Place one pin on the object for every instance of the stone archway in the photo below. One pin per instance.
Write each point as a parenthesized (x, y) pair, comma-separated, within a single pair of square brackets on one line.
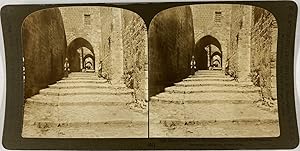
[(216, 59), (74, 56), (204, 53), (85, 61)]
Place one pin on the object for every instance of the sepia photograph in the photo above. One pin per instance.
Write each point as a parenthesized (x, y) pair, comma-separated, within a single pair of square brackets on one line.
[(192, 75), (85, 73), (212, 72)]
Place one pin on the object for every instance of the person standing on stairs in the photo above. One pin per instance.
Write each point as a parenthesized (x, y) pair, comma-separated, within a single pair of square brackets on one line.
[(66, 68), (100, 70), (193, 65)]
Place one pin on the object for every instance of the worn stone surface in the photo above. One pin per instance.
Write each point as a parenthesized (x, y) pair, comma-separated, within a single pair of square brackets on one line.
[(73, 110), (44, 47), (211, 110)]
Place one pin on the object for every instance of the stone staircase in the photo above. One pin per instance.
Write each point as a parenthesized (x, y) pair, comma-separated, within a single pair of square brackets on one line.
[(210, 104), (83, 106)]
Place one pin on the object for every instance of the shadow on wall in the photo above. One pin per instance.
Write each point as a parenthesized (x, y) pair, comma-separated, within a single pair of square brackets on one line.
[(171, 44), (44, 52)]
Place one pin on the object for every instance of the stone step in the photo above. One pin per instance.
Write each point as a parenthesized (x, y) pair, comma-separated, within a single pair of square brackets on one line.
[(196, 114), (195, 101), (212, 89), (208, 76), (200, 101), (108, 100), (85, 91), (212, 83), (208, 79), (73, 121), (89, 71), (83, 78), (217, 68), (214, 130), (82, 85), (82, 81), (89, 130), (82, 74), (216, 97), (79, 113), (209, 71)]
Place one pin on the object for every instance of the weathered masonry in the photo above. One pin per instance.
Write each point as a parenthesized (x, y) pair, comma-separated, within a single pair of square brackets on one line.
[(112, 39), (234, 90), (44, 47), (109, 36), (240, 40), (85, 73), (171, 45)]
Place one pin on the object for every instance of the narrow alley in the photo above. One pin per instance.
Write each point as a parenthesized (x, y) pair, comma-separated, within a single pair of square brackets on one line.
[(213, 74), (86, 85)]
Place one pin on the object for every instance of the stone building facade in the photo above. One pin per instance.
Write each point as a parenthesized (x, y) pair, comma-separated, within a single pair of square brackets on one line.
[(211, 28), (118, 41), (44, 48), (82, 30)]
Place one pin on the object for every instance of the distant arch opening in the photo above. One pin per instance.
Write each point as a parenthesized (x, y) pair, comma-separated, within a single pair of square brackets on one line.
[(208, 53), (76, 57), (89, 62)]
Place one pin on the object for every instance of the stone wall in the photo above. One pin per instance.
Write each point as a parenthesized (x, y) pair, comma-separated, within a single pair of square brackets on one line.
[(208, 24), (44, 47), (83, 23), (238, 61), (263, 52), (134, 33), (118, 39), (249, 52), (171, 44), (106, 41)]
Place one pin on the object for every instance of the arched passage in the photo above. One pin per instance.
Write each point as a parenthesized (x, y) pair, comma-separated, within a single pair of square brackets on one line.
[(74, 55), (216, 59), (88, 65), (204, 54), (86, 61)]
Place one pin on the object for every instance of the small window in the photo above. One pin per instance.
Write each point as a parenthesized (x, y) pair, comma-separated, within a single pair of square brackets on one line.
[(87, 19), (218, 16)]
